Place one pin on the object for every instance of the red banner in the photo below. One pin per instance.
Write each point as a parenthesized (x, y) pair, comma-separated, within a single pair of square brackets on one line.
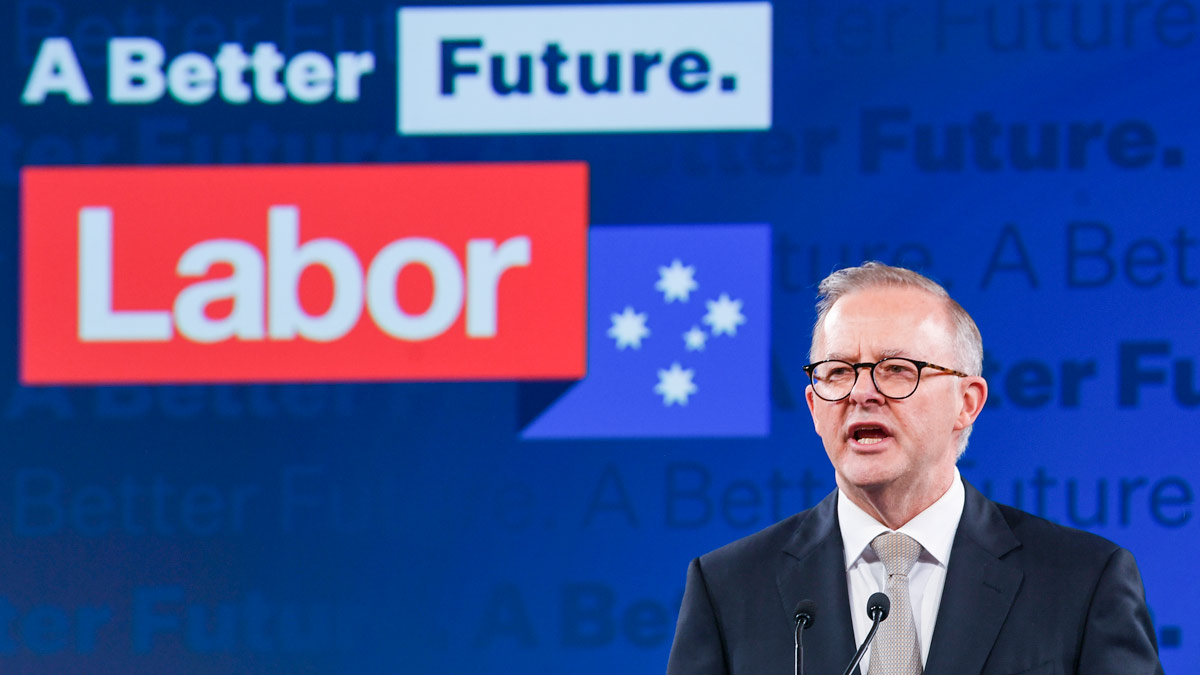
[(303, 273)]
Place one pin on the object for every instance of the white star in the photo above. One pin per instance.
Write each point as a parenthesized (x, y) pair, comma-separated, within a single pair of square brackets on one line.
[(724, 315), (676, 281), (695, 339), (675, 385), (628, 328)]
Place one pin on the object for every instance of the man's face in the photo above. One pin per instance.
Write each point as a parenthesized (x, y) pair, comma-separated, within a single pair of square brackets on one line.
[(876, 443)]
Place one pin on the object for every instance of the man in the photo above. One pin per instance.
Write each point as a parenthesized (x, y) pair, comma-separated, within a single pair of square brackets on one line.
[(975, 587)]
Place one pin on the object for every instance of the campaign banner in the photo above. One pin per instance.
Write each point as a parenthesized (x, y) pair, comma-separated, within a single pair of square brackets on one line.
[(304, 273), (573, 69)]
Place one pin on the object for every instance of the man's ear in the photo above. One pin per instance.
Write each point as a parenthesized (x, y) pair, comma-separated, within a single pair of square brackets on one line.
[(974, 397), (811, 398)]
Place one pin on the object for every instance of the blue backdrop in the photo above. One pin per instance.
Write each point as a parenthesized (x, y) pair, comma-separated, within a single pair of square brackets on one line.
[(1031, 156)]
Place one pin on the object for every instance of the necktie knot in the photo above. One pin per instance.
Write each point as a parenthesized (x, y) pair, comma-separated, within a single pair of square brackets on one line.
[(898, 552)]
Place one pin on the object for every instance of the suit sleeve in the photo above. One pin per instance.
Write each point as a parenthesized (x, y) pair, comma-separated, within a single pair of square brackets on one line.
[(1119, 636), (699, 647)]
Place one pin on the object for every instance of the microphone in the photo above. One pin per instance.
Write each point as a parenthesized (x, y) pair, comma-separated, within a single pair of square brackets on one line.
[(806, 614), (878, 606)]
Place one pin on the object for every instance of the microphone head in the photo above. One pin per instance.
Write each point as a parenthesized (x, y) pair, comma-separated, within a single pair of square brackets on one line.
[(806, 613), (880, 604)]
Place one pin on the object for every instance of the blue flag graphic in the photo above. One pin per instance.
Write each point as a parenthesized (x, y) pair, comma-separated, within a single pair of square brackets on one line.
[(678, 336)]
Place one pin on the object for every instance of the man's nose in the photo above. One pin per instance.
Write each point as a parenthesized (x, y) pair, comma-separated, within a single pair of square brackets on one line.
[(864, 390)]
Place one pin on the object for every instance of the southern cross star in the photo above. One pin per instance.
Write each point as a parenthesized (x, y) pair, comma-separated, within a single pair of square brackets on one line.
[(724, 315), (675, 385), (629, 328), (676, 282)]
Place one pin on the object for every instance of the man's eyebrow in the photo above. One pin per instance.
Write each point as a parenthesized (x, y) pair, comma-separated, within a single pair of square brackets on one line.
[(883, 354)]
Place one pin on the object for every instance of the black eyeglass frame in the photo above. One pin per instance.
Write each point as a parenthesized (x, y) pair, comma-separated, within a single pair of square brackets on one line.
[(921, 366)]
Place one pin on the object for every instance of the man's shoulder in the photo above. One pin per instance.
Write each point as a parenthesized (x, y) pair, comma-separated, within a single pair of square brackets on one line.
[(789, 534), (1044, 539), (769, 539)]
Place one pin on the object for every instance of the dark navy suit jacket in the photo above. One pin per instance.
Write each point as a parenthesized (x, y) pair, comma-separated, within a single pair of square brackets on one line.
[(1022, 595)]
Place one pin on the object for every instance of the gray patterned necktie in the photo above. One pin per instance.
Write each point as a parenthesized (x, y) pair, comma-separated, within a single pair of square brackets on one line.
[(896, 651)]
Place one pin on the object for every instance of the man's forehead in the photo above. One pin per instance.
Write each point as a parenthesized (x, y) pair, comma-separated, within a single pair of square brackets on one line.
[(887, 321), (887, 304)]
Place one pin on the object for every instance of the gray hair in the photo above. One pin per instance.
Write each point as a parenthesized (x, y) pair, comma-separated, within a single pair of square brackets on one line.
[(968, 343)]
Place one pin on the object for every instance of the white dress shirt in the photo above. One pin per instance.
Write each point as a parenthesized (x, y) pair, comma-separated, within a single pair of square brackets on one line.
[(933, 529)]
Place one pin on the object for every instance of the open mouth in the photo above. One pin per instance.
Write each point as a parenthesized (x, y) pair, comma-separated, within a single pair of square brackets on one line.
[(868, 434)]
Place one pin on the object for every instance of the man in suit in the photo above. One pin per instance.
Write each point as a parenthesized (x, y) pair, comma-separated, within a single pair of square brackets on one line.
[(976, 587)]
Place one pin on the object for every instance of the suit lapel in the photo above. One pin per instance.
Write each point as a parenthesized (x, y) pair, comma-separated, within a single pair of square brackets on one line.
[(980, 589), (812, 566)]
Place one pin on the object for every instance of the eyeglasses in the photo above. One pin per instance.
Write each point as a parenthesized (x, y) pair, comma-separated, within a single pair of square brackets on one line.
[(894, 377)]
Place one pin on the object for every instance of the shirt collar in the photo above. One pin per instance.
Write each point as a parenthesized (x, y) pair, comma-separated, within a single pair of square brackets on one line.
[(933, 528)]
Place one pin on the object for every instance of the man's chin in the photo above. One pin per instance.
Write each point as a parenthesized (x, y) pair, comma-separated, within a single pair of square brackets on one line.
[(868, 474)]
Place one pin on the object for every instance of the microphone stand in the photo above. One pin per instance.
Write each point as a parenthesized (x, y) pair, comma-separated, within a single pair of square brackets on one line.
[(878, 608), (800, 626), (863, 649), (806, 613)]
